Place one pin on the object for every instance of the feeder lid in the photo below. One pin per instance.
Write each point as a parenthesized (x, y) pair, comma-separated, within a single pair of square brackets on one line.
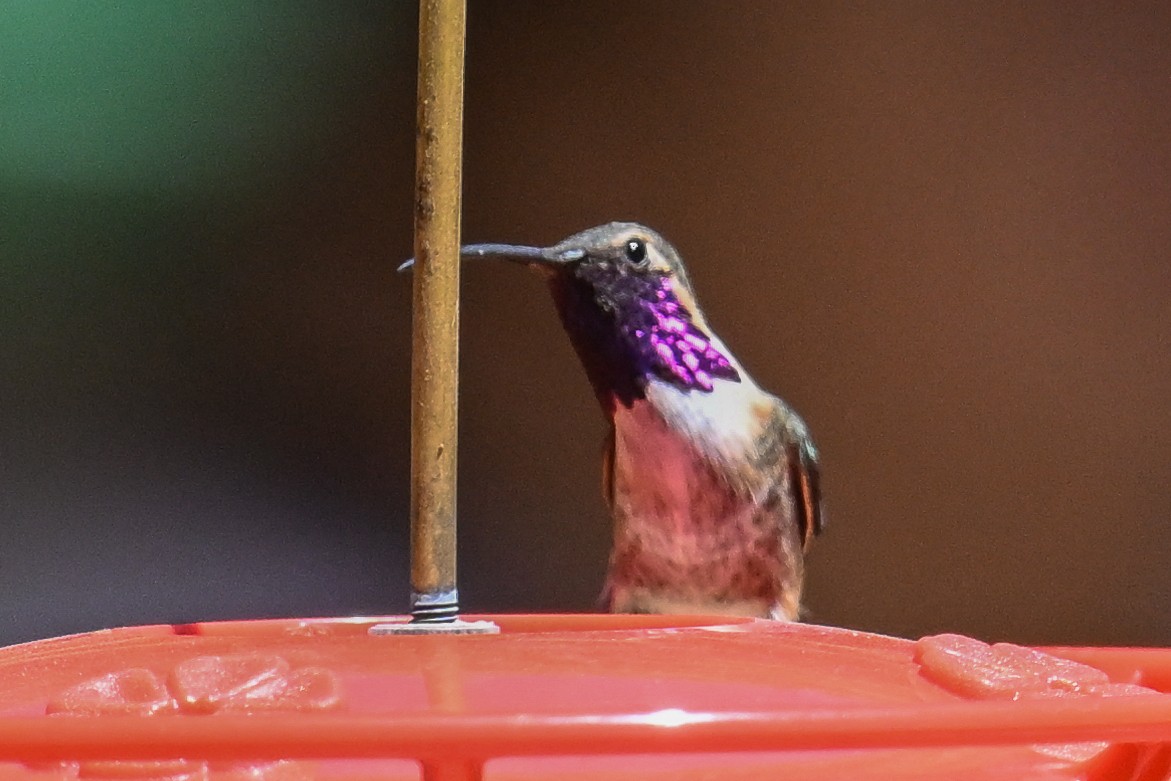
[(571, 697)]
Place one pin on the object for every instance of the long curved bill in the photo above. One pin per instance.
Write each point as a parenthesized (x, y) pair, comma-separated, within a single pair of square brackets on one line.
[(517, 253)]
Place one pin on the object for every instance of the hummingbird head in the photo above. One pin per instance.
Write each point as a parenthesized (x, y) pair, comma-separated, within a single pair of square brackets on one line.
[(625, 300)]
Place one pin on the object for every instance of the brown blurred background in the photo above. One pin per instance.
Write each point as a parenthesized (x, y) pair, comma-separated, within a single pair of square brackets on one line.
[(940, 230)]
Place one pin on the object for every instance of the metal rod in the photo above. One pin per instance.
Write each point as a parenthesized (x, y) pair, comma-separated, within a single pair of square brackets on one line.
[(435, 361)]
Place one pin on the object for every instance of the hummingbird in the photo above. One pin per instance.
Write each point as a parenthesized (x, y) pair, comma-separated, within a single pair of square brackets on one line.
[(712, 482)]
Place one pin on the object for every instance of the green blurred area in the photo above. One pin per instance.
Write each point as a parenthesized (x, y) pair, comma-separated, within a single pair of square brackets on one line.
[(174, 97), (172, 176), (146, 146)]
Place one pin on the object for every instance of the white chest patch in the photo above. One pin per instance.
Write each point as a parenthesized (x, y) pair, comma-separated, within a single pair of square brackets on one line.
[(723, 420)]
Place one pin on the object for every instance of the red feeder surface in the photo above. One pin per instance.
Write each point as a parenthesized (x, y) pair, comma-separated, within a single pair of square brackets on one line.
[(575, 697)]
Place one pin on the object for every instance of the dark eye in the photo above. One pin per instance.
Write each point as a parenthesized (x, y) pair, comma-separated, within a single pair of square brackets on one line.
[(636, 250)]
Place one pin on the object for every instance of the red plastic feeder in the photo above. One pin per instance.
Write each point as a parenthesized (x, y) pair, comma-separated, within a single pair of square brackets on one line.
[(577, 697)]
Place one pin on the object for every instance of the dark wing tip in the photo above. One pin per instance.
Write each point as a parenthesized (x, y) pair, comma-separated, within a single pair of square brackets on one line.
[(805, 484)]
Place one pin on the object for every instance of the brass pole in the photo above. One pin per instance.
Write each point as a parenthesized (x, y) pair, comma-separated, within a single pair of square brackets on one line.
[(435, 361)]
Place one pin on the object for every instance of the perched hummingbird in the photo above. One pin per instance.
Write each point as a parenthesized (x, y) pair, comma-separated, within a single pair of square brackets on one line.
[(711, 481)]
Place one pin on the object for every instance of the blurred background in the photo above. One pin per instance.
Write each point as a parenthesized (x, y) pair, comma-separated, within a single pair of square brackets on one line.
[(941, 231)]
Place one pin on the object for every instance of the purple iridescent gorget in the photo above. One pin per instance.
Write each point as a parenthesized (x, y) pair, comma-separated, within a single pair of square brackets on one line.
[(630, 327)]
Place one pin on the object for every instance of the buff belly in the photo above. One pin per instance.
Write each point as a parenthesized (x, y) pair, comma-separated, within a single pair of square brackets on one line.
[(684, 541)]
